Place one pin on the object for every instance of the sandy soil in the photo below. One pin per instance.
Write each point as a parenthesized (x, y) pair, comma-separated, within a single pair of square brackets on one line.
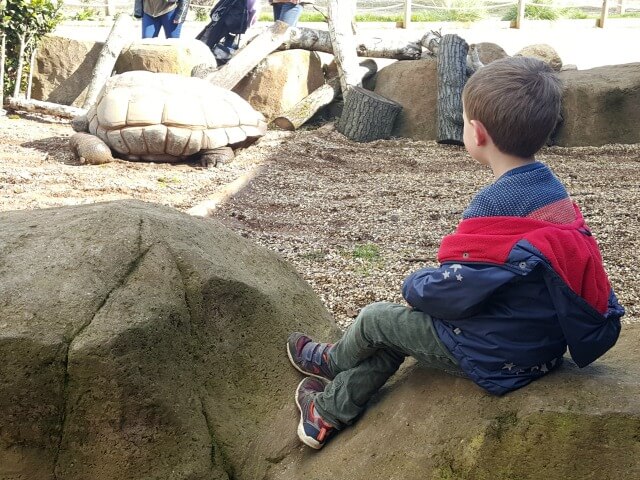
[(353, 218)]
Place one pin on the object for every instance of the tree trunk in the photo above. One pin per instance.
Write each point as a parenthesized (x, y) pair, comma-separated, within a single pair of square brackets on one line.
[(119, 36), (320, 97), (367, 116), (3, 47), (249, 56), (23, 44), (32, 66), (343, 42), (452, 75), (56, 109), (320, 41)]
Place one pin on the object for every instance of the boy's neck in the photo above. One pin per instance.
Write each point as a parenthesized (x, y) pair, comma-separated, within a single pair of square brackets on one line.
[(501, 163)]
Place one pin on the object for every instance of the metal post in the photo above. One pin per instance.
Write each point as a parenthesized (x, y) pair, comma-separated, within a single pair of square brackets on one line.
[(603, 16), (517, 23), (622, 8), (407, 14)]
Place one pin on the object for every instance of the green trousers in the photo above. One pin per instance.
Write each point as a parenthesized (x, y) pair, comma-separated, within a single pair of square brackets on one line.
[(371, 351)]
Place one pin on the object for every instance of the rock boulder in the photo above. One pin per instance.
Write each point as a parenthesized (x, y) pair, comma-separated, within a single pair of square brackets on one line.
[(413, 84), (490, 52), (168, 55), (281, 80), (600, 106), (63, 70), (543, 52), (137, 342)]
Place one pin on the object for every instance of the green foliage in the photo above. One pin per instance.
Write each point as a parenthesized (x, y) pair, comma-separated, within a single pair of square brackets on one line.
[(369, 252), (31, 18), (85, 14), (202, 14), (540, 10)]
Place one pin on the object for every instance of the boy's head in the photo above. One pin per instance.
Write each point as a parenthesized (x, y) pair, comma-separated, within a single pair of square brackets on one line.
[(517, 101)]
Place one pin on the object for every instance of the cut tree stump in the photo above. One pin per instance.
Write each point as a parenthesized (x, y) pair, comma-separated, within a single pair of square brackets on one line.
[(367, 116), (452, 75)]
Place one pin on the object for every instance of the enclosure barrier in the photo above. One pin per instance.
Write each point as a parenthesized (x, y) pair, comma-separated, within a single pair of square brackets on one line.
[(405, 7)]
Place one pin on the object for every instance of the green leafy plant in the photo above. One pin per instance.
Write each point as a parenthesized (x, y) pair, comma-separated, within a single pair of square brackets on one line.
[(369, 252), (539, 10), (85, 14), (28, 21)]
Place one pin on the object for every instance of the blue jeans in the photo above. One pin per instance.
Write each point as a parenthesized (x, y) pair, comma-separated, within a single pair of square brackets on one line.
[(287, 12), (151, 25), (371, 351)]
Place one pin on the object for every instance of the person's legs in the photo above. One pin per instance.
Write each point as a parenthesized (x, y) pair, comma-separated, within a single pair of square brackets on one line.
[(287, 12), (171, 30), (150, 26), (371, 351)]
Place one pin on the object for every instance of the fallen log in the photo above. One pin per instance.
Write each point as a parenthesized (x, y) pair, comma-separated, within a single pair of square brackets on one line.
[(320, 41), (452, 75), (49, 108), (306, 108), (118, 37), (248, 57), (367, 116)]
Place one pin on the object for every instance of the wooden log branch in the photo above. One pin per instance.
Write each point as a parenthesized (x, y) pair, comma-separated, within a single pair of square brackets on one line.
[(249, 56), (49, 108), (452, 75), (367, 116), (23, 46), (3, 47), (306, 108), (320, 41), (341, 14), (118, 37)]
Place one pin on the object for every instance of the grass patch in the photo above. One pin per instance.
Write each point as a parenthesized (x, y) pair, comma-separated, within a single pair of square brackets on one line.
[(369, 252)]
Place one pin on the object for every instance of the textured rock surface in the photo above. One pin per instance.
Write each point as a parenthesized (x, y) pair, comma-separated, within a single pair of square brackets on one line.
[(413, 84), (489, 52), (543, 52), (169, 55), (281, 80), (572, 425), (63, 70), (600, 106), (138, 342)]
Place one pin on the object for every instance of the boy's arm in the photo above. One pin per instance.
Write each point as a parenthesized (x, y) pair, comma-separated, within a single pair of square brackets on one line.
[(453, 291)]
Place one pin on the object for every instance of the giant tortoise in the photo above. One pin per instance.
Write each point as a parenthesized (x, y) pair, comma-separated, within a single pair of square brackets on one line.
[(164, 117)]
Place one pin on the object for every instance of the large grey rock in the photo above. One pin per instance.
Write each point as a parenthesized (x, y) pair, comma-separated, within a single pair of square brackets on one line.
[(63, 70), (490, 52), (137, 342), (600, 106), (168, 55), (572, 425), (281, 80), (413, 84)]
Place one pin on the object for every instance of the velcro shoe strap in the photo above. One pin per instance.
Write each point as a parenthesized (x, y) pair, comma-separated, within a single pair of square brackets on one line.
[(313, 353)]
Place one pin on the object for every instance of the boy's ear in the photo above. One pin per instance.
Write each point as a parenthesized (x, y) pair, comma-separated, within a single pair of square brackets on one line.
[(480, 133)]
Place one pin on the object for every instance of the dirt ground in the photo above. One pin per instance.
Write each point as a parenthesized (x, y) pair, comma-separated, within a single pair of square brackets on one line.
[(354, 219)]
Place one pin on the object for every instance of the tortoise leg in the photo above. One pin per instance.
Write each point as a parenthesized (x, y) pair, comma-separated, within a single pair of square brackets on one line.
[(216, 156)]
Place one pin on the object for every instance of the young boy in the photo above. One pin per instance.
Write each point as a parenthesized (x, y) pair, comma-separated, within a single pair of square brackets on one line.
[(519, 281)]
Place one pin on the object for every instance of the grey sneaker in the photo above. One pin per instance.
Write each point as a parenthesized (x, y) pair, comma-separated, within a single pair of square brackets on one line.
[(311, 358)]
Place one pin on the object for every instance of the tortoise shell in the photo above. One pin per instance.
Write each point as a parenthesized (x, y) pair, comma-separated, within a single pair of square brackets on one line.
[(168, 117)]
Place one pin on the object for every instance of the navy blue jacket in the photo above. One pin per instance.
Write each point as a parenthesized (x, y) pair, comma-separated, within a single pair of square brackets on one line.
[(506, 310)]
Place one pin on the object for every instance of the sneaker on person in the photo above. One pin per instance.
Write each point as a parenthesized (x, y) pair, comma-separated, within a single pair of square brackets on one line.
[(311, 358), (313, 430)]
